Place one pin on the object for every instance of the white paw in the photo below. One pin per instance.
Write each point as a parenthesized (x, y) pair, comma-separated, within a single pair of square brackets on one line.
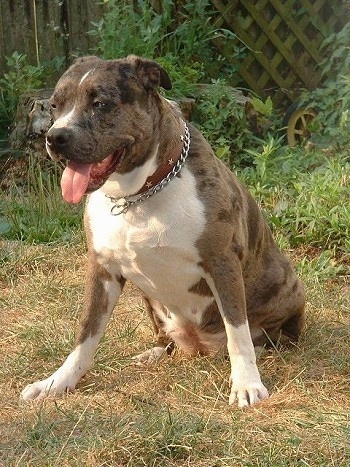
[(249, 395), (66, 377), (150, 355), (52, 386), (246, 386), (62, 381)]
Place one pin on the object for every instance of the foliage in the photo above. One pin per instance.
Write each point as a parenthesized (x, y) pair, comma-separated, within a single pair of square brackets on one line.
[(233, 122), (183, 32), (124, 30), (21, 78), (305, 195), (264, 108), (220, 115), (36, 212), (332, 101)]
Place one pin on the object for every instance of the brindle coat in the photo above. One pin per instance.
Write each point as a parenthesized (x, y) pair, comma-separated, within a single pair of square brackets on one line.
[(199, 250)]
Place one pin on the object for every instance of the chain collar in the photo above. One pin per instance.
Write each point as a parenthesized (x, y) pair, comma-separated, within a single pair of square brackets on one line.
[(122, 205)]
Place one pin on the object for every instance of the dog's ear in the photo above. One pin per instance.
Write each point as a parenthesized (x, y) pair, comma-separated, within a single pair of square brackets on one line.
[(84, 59), (151, 73)]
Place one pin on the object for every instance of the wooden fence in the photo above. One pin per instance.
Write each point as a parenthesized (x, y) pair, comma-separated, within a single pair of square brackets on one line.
[(283, 37), (45, 29)]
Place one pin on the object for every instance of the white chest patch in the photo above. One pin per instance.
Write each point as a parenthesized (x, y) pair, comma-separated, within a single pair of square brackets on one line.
[(154, 243)]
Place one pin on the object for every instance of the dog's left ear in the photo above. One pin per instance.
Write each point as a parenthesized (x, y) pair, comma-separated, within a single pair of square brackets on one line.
[(151, 73)]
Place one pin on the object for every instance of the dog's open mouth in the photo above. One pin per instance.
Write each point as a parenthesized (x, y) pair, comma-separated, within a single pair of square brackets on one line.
[(79, 179)]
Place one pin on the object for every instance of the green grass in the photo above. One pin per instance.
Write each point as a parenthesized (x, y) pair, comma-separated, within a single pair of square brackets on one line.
[(33, 210), (305, 195), (175, 412)]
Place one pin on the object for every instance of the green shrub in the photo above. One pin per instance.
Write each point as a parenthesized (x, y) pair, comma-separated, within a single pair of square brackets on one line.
[(221, 116), (305, 195), (332, 100), (182, 32), (21, 78)]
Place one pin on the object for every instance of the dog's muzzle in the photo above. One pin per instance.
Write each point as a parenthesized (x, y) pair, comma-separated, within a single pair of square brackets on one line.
[(58, 140)]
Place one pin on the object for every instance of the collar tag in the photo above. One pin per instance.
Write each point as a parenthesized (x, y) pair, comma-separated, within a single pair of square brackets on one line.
[(120, 207)]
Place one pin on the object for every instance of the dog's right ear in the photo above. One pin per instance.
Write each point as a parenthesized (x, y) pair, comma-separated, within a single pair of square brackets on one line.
[(84, 59), (151, 73)]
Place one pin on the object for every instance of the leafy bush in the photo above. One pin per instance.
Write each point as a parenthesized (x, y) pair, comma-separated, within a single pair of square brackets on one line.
[(332, 101), (220, 115), (182, 32), (305, 195), (21, 78)]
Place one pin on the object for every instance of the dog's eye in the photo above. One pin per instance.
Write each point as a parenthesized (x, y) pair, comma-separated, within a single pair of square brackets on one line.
[(98, 104), (53, 106)]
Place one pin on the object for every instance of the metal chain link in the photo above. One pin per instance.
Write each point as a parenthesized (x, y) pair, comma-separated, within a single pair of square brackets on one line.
[(122, 205)]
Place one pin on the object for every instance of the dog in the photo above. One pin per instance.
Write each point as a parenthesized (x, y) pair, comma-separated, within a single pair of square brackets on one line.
[(163, 212)]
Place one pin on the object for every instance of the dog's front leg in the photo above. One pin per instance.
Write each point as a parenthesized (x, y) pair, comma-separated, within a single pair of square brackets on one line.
[(102, 291), (228, 287)]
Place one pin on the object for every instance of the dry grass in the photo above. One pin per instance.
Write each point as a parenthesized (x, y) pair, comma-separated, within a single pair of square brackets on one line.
[(173, 413)]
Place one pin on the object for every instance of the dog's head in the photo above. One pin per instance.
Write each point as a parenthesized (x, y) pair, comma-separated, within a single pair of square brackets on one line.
[(102, 111)]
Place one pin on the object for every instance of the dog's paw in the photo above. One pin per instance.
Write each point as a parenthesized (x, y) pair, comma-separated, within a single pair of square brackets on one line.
[(54, 386), (246, 386), (45, 388), (250, 395), (150, 355)]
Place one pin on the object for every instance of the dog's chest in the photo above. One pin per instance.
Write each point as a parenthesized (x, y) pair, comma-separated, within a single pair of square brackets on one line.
[(154, 243)]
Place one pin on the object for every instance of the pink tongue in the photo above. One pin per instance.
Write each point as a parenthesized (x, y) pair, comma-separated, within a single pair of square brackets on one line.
[(74, 181)]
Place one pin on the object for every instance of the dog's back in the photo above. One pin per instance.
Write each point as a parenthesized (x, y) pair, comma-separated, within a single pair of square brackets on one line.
[(166, 214)]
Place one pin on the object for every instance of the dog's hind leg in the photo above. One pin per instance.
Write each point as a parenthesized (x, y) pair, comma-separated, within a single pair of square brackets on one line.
[(293, 327), (282, 320), (102, 292), (164, 345)]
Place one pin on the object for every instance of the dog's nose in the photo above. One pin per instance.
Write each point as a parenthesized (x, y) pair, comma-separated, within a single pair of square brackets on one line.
[(58, 139)]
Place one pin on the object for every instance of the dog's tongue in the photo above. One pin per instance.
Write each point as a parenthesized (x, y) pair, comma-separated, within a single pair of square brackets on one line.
[(74, 181)]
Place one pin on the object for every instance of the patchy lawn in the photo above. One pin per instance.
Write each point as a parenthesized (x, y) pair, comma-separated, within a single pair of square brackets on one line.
[(175, 412)]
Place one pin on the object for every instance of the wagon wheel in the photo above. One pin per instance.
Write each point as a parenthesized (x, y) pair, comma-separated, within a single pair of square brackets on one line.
[(298, 126)]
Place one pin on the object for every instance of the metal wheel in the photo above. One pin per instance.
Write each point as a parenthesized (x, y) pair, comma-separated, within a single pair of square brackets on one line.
[(298, 126)]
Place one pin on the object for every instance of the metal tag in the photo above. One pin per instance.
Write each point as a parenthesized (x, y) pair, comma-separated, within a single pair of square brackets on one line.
[(121, 206)]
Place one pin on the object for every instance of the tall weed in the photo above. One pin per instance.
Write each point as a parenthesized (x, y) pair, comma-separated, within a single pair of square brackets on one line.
[(125, 30), (179, 35), (220, 115), (36, 212), (305, 195)]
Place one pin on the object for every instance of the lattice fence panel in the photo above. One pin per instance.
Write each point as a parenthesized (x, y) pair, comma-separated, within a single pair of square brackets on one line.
[(283, 39)]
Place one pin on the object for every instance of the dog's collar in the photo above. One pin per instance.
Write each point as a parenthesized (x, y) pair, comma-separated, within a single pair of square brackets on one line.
[(159, 179), (164, 169)]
